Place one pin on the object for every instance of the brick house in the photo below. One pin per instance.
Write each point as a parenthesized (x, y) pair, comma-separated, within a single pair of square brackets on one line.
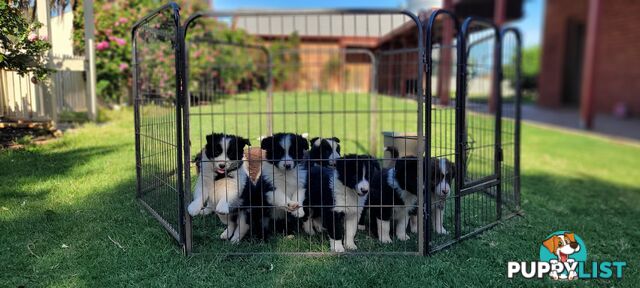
[(392, 33), (590, 57)]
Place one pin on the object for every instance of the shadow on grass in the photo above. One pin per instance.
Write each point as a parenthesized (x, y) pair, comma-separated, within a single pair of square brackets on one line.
[(23, 169)]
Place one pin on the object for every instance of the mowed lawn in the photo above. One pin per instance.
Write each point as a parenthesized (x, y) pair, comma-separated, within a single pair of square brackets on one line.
[(68, 217)]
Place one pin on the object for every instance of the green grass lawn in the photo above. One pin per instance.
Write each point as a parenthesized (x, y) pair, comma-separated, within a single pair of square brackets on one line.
[(68, 217)]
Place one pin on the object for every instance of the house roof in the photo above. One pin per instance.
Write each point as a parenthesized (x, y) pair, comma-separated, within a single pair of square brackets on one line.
[(375, 25), (359, 30)]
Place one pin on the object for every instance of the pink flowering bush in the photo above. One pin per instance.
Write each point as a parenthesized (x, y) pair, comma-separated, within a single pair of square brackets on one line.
[(113, 23), (103, 45), (23, 50)]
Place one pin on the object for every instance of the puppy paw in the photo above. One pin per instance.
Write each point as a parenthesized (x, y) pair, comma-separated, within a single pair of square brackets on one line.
[(308, 227), (350, 245), (299, 213), (292, 206), (336, 245), (235, 239), (442, 231), (385, 240), (222, 208), (207, 210), (225, 235), (362, 227), (194, 209), (403, 237)]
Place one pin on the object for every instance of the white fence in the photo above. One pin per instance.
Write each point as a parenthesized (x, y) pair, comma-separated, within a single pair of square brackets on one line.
[(64, 91)]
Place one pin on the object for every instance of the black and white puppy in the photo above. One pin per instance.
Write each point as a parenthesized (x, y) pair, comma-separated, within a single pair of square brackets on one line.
[(442, 175), (324, 151), (395, 196), (222, 183), (283, 179), (337, 197)]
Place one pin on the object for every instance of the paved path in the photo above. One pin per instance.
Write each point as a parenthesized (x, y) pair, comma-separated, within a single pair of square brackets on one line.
[(606, 125)]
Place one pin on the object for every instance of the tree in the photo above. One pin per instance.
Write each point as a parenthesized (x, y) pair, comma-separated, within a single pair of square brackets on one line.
[(21, 48), (531, 61), (286, 61), (530, 68)]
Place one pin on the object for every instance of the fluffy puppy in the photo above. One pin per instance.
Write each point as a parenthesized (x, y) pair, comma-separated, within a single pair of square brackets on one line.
[(394, 197), (222, 183), (324, 151), (283, 179), (337, 197), (443, 173)]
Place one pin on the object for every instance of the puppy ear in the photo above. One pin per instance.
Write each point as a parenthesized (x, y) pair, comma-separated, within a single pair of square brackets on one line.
[(267, 143), (374, 165), (452, 169), (551, 244), (314, 139), (242, 142), (302, 142), (335, 139), (209, 138), (571, 237), (433, 166)]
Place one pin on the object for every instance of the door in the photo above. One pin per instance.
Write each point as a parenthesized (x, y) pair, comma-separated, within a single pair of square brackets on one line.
[(574, 53)]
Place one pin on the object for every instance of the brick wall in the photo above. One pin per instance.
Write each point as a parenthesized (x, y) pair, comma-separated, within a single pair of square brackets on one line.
[(618, 60), (618, 65), (551, 78)]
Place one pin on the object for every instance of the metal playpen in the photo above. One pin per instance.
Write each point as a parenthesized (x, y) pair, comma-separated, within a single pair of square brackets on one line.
[(378, 80)]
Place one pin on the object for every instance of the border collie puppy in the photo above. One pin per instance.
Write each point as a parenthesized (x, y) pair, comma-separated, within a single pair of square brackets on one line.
[(283, 179), (324, 151), (222, 183), (337, 197), (397, 187), (443, 172)]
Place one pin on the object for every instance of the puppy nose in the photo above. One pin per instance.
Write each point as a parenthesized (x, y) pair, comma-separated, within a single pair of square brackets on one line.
[(364, 190), (287, 166), (574, 245), (222, 165), (445, 191)]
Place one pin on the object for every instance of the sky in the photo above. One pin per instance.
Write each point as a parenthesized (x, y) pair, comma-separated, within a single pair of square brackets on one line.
[(530, 24)]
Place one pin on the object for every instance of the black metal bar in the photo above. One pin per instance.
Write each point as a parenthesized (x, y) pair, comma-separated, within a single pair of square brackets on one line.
[(136, 113), (480, 186), (422, 242), (473, 233), (186, 124), (497, 90), (429, 72), (460, 138), (518, 112), (152, 14)]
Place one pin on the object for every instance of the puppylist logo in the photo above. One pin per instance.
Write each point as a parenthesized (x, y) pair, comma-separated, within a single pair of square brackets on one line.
[(563, 256)]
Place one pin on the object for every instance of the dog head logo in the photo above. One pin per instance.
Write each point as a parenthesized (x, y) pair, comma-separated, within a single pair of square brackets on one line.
[(564, 248), (563, 245)]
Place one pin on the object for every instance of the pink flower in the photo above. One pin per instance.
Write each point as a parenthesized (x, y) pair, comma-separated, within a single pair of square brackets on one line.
[(104, 45), (123, 66), (121, 21), (44, 38), (32, 37), (120, 41), (197, 53)]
